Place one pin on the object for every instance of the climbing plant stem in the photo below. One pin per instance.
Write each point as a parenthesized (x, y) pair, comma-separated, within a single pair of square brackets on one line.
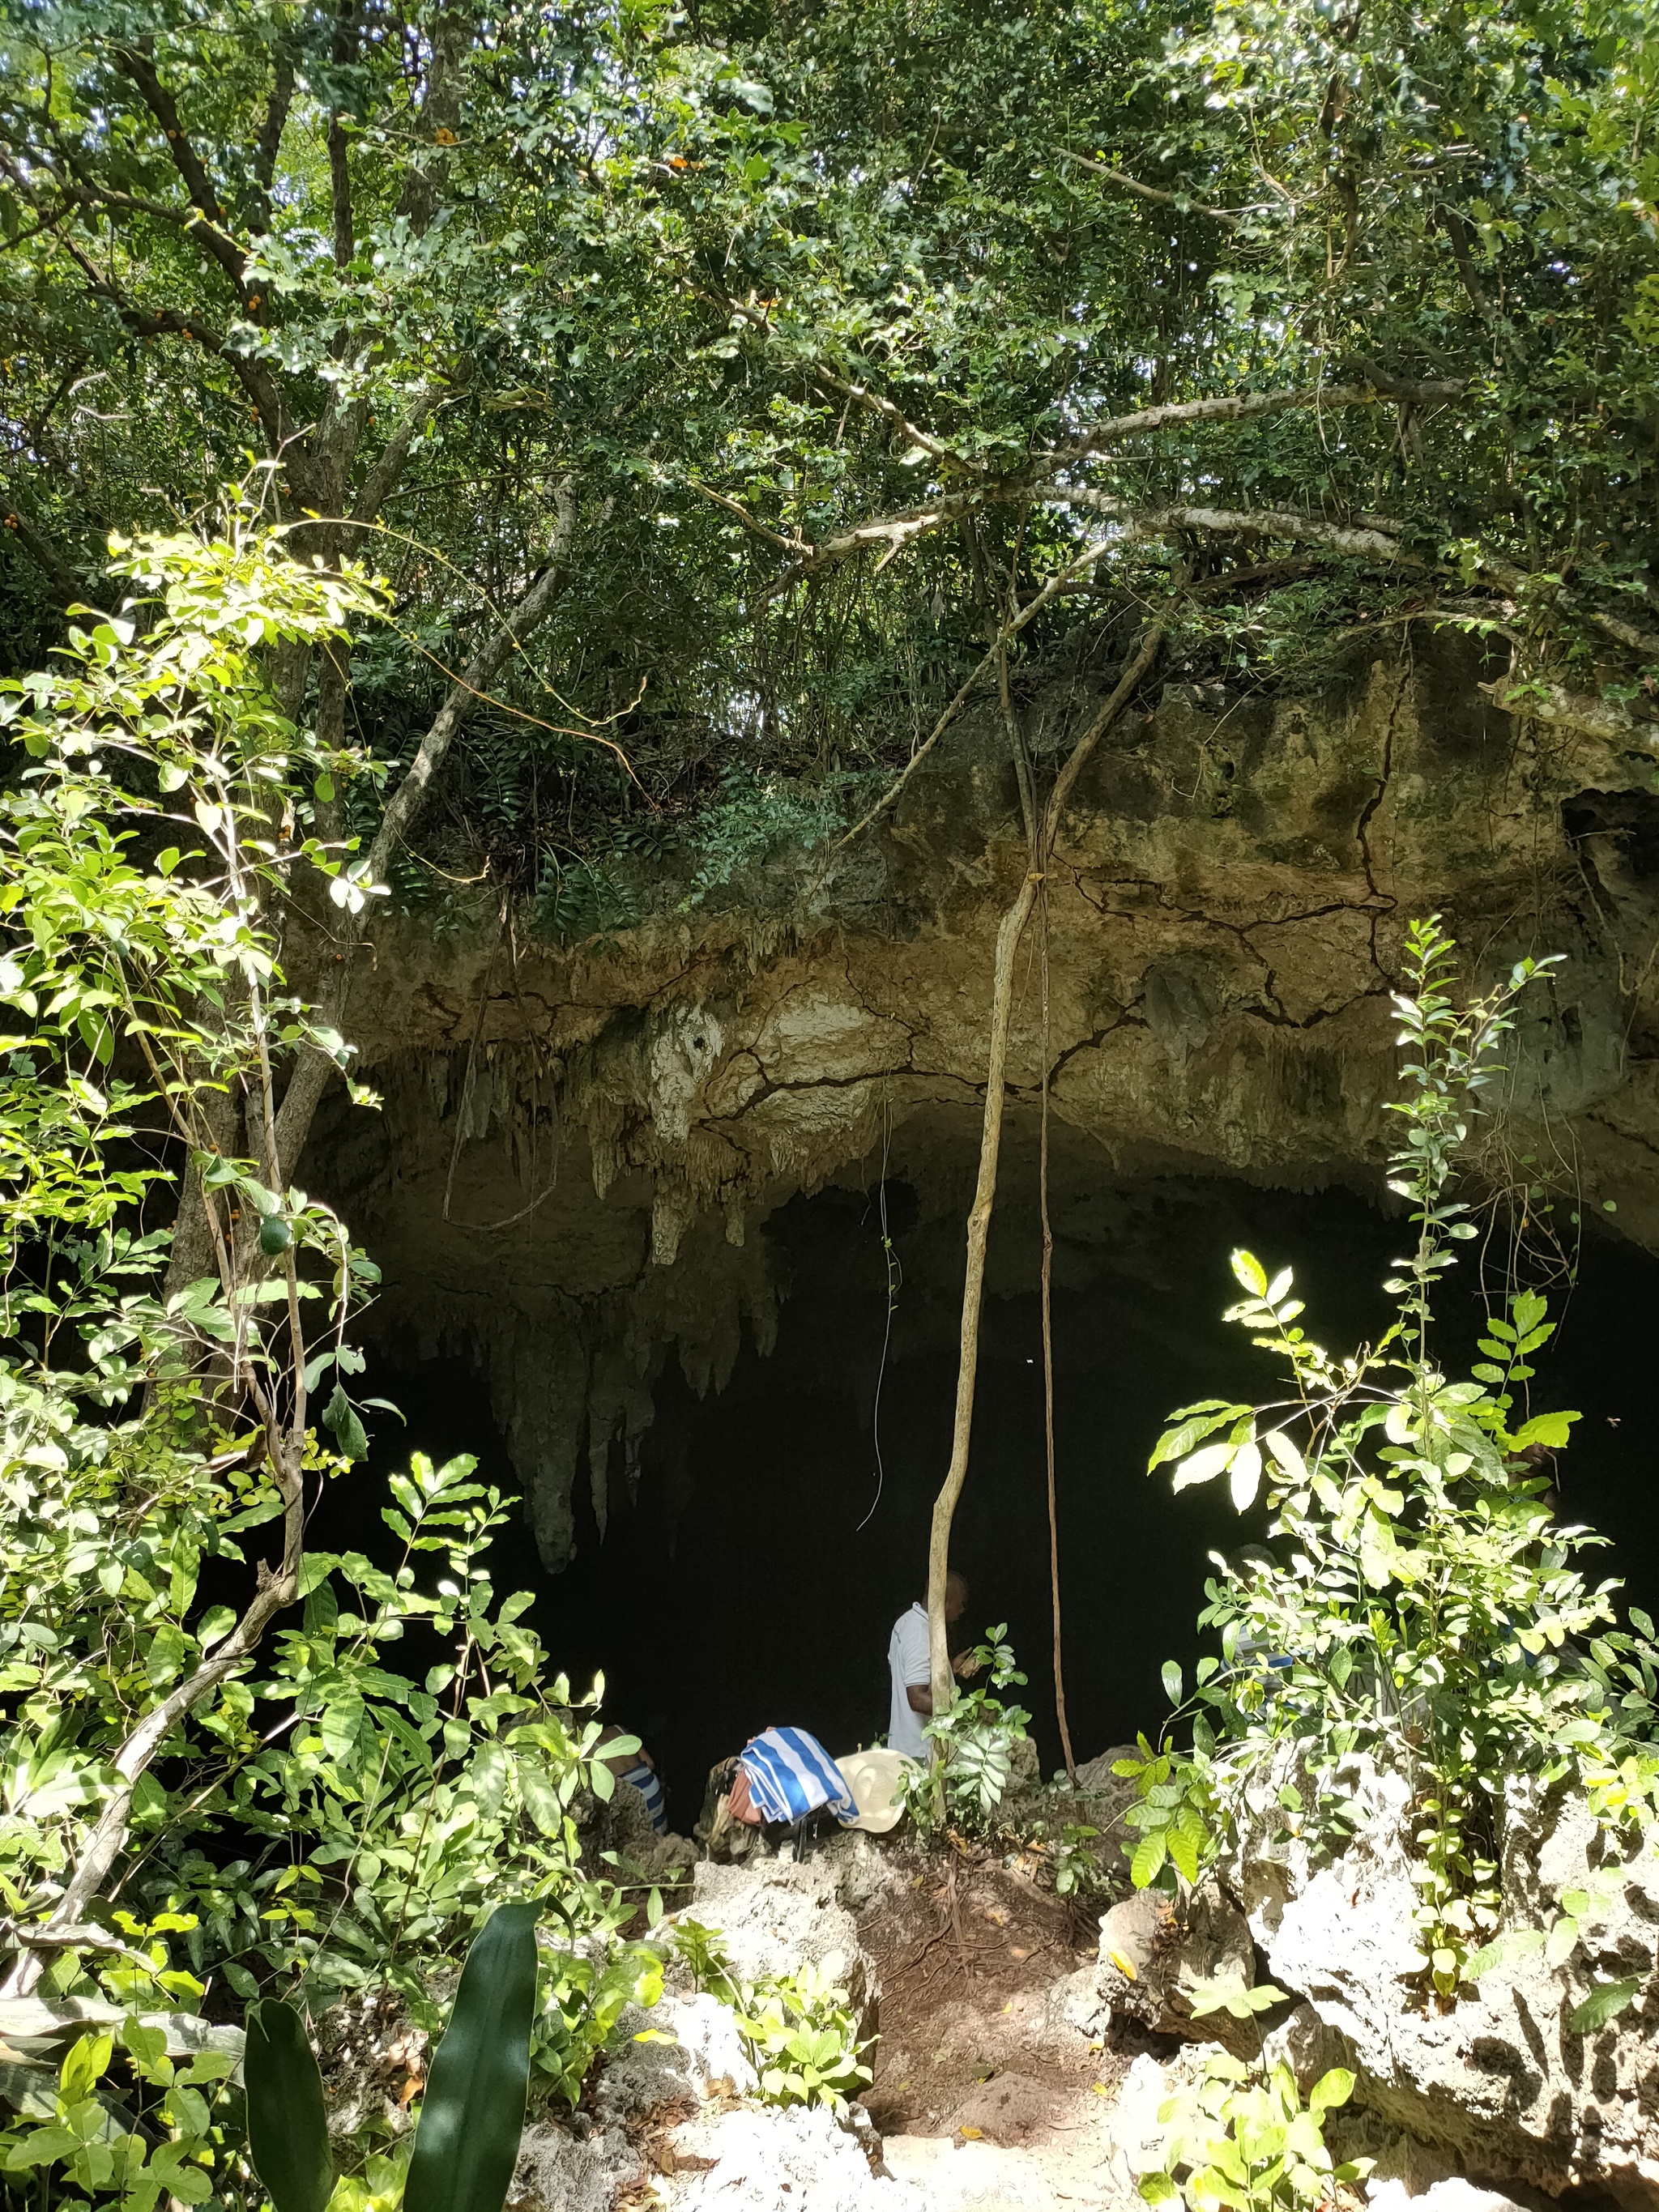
[(1009, 933)]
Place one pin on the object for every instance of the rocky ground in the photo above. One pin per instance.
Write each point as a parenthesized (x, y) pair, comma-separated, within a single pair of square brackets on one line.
[(985, 2091), (1025, 2047)]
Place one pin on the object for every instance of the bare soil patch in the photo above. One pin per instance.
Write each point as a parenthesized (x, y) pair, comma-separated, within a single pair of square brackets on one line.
[(975, 1955)]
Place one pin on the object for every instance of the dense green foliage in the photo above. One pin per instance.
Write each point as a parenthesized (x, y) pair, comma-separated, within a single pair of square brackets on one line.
[(236, 1767), (1243, 2139), (1417, 1605), (835, 327)]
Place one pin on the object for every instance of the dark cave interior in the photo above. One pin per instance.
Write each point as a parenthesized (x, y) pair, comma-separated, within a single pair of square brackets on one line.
[(755, 1576)]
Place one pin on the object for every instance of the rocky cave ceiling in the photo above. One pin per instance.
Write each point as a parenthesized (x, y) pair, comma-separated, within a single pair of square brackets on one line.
[(570, 1179)]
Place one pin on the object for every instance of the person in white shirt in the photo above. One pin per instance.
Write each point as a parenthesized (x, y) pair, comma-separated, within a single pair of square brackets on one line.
[(908, 1665)]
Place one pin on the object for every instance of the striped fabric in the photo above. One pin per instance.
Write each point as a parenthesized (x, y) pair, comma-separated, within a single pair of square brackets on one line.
[(790, 1775), (644, 1779)]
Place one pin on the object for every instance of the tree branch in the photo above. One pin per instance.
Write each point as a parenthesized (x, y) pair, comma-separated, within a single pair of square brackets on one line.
[(979, 1219), (860, 394), (1591, 717), (66, 586), (275, 1593), (1245, 406), (85, 191), (1178, 200), (1516, 582), (479, 674), (253, 376), (311, 1073), (441, 109), (339, 178), (215, 229), (999, 644), (1258, 522), (895, 418), (389, 466), (345, 52), (897, 531), (798, 545), (270, 141)]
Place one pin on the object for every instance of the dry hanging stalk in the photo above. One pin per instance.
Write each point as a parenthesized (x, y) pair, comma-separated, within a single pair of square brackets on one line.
[(1012, 930)]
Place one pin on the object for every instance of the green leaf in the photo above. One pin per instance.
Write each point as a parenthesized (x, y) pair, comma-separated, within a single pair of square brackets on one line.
[(1286, 1457), (473, 2114), (1548, 1429), (1332, 2088), (541, 1799), (1604, 2003), (215, 1625), (85, 2066), (1177, 1443), (1182, 1849), (1148, 1862), (1513, 1944), (1170, 1677), (1562, 1940), (1244, 1476), (342, 1718), (1250, 1272), (1204, 1465), (487, 1777), (340, 1416), (315, 1569), (287, 2118)]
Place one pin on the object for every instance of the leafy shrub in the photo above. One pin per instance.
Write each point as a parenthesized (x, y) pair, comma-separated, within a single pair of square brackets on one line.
[(753, 817), (153, 2135), (803, 2039), (1075, 1860), (579, 899), (1243, 2140), (800, 2028), (975, 1739), (1421, 1604)]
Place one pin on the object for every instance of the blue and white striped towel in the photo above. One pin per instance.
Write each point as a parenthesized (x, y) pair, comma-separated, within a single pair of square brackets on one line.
[(790, 1775), (644, 1779)]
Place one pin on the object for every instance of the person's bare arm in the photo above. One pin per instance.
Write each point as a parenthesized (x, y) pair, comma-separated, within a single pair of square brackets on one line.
[(922, 1698)]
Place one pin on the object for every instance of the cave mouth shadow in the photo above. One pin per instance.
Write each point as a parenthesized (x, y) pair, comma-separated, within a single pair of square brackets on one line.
[(779, 1528)]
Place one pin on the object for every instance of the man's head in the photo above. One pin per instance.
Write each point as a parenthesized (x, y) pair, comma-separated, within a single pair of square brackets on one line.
[(956, 1596)]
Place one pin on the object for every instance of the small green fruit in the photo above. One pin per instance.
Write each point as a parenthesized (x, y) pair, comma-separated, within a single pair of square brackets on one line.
[(275, 1235)]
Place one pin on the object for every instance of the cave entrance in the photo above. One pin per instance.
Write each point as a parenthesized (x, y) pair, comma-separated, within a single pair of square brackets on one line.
[(779, 1524)]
